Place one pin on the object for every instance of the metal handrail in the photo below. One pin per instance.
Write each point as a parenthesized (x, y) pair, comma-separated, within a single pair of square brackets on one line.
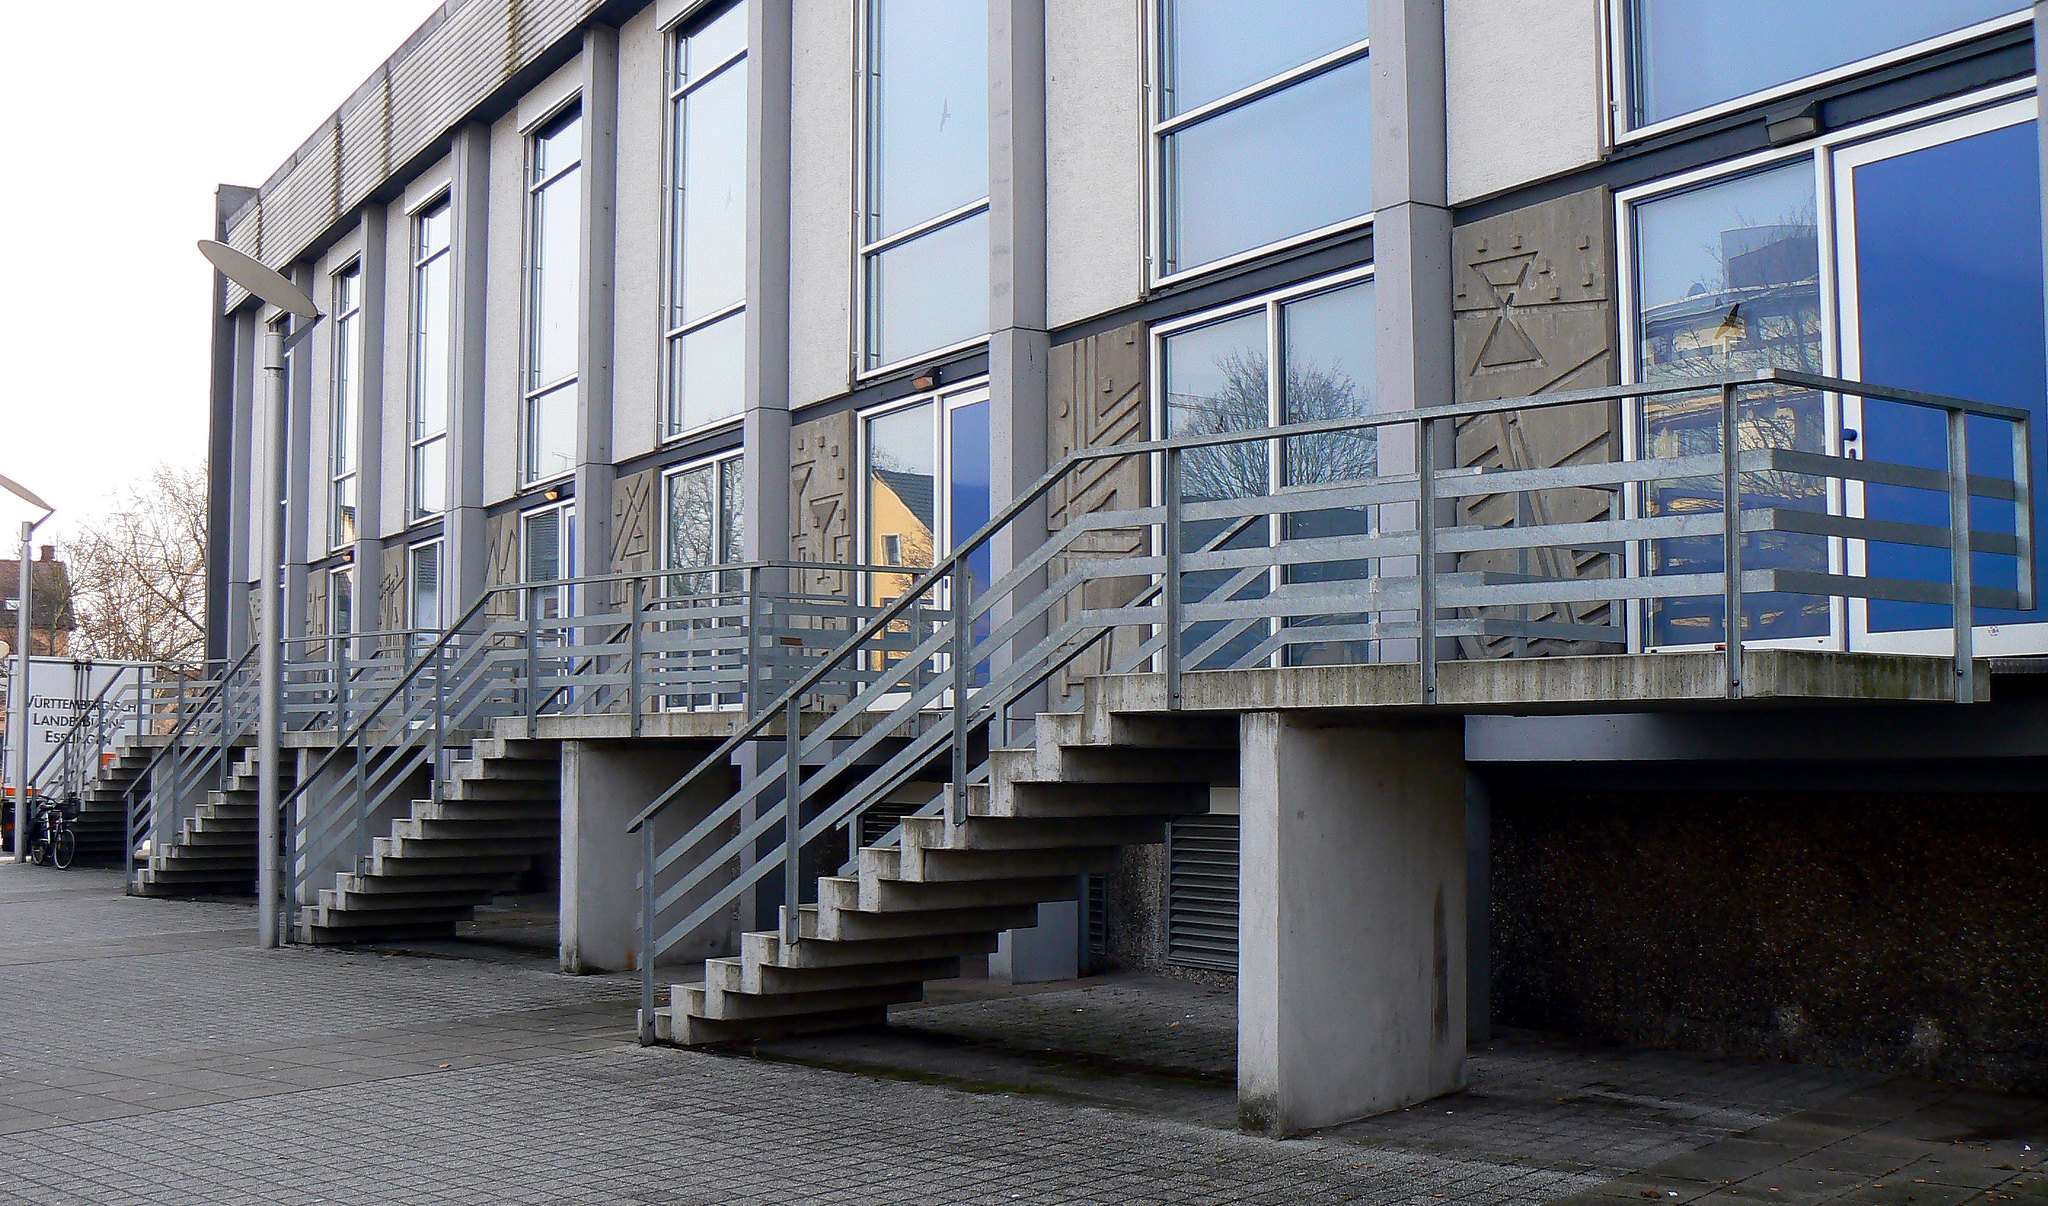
[(1431, 487)]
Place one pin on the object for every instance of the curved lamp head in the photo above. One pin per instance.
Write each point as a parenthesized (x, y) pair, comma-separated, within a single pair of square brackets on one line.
[(24, 493), (259, 280)]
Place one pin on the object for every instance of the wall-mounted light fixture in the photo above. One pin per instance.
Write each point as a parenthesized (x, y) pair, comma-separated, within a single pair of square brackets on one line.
[(926, 378)]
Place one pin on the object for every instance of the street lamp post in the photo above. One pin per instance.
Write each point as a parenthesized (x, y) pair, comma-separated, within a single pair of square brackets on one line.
[(17, 723), (270, 287)]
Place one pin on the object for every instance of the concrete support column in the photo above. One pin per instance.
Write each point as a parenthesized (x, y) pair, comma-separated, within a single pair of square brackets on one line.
[(594, 471), (1411, 236), (1019, 365), (464, 552), (1351, 933), (765, 430), (245, 468), (370, 520), (305, 484), (603, 784)]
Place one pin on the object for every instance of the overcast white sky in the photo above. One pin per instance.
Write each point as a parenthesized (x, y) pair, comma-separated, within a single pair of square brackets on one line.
[(125, 115)]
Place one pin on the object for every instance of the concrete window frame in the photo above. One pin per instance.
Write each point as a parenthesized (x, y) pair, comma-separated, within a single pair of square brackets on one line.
[(1159, 127)]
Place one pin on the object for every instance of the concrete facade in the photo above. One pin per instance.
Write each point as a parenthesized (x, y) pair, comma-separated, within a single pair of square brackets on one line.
[(1500, 238)]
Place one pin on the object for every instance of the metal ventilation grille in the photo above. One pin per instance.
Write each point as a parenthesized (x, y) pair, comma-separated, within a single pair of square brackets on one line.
[(1201, 892), (1097, 903), (880, 817)]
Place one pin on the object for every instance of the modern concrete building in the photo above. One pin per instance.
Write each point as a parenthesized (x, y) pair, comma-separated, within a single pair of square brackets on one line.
[(641, 317)]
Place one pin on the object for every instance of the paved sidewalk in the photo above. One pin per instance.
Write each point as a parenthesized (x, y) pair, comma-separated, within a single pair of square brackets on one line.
[(158, 1058)]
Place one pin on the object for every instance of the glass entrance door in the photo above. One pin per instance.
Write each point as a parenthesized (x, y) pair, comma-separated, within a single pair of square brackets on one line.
[(1939, 230)]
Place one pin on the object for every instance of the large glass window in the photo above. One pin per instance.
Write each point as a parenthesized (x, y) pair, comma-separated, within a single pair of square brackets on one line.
[(707, 287), (1263, 125), (548, 548), (341, 602), (705, 522), (926, 487), (553, 295), (345, 436), (1292, 358), (433, 365), (1728, 281), (925, 238), (1689, 55), (423, 586)]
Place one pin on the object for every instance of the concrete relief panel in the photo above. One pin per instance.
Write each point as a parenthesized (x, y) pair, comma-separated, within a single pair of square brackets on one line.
[(633, 529), (501, 565), (1534, 303), (316, 604), (1100, 396), (391, 607), (822, 477)]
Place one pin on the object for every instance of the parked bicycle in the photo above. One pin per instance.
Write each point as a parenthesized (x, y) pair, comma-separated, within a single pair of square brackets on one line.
[(51, 839)]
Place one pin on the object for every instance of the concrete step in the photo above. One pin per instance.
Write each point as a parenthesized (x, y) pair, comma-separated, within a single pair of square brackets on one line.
[(541, 770), (717, 1005), (403, 885), (460, 848), (923, 866), (1005, 799), (738, 975), (1030, 833), (693, 1031), (323, 918), (496, 749), (484, 810), (1053, 763), (766, 948), (1095, 725), (437, 897), (418, 867), (874, 895), (466, 829), (847, 925), (505, 789)]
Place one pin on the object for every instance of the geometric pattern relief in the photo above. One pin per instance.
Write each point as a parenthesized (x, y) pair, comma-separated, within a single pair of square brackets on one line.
[(821, 501), (633, 522), (1099, 392), (501, 564), (1534, 312)]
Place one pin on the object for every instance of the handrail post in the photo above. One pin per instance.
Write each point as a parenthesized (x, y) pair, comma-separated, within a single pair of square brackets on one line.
[(1170, 588), (792, 824), (647, 1033), (440, 719), (1425, 558), (752, 577), (1962, 595), (532, 658), (959, 585), (2023, 508), (633, 656), (1731, 541)]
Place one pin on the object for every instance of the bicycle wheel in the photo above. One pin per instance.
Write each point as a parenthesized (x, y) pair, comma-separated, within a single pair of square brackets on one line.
[(66, 846)]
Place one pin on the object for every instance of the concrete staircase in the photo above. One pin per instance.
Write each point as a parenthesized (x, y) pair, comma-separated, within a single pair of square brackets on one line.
[(500, 809), (214, 850), (102, 824), (1094, 782)]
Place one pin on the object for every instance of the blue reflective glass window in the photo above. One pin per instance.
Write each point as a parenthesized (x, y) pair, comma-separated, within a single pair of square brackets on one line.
[(1693, 54), (1285, 164), (1213, 48), (1728, 281)]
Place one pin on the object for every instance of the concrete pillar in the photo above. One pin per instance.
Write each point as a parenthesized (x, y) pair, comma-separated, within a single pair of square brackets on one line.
[(244, 467), (1019, 366), (765, 428), (305, 484), (369, 547), (1478, 910), (1351, 933), (464, 552), (594, 471), (603, 784), (1411, 241)]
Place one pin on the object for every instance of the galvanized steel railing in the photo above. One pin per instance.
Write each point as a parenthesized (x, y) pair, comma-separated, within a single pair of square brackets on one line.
[(629, 646), (1335, 562)]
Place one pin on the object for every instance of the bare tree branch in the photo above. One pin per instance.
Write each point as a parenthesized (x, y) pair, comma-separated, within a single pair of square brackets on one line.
[(138, 575)]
